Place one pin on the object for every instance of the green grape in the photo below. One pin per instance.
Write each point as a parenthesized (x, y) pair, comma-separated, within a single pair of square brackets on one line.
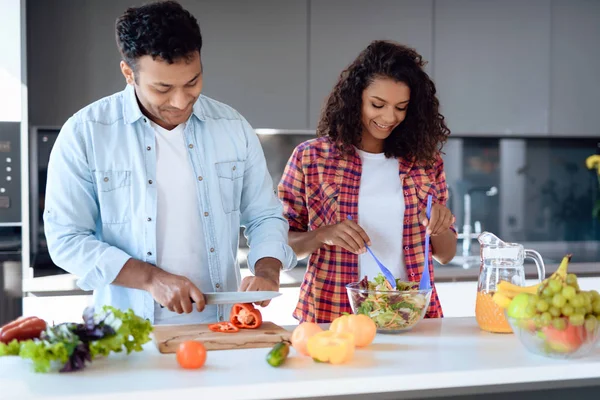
[(530, 309), (537, 320), (577, 319), (542, 305), (587, 298), (559, 323), (533, 299), (596, 306), (577, 301), (580, 310), (591, 323), (588, 308), (554, 311), (571, 279), (568, 310), (547, 292), (546, 318), (568, 292), (595, 295), (555, 286), (558, 300)]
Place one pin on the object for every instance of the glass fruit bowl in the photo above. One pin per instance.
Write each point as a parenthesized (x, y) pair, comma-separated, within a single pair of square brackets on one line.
[(559, 339), (393, 311)]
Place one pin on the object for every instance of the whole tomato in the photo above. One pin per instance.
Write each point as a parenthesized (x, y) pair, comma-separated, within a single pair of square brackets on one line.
[(191, 354)]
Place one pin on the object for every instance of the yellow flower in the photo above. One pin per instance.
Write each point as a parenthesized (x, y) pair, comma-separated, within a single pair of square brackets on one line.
[(593, 162)]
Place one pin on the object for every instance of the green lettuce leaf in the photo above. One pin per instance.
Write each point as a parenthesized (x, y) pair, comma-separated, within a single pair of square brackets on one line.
[(42, 353), (10, 349), (132, 332)]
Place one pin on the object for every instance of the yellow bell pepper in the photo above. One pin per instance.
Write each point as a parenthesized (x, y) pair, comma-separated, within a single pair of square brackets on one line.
[(361, 326), (331, 347)]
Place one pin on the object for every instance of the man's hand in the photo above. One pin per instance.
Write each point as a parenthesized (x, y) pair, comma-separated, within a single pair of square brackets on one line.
[(266, 278), (175, 292)]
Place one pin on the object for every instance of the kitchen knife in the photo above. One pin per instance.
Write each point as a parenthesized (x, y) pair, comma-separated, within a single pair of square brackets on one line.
[(237, 297)]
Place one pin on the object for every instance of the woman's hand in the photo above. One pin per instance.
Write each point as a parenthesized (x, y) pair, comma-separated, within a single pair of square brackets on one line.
[(347, 234), (441, 219)]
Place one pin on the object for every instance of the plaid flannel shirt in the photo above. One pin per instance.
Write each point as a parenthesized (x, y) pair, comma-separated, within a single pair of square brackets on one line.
[(320, 187)]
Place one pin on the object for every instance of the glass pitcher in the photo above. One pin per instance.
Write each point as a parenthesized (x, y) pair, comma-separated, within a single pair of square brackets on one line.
[(500, 261)]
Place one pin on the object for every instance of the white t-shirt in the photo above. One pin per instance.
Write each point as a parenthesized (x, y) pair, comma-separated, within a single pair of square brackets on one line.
[(180, 244), (381, 214)]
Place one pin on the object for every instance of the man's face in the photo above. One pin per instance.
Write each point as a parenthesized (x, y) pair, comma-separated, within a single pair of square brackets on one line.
[(166, 92)]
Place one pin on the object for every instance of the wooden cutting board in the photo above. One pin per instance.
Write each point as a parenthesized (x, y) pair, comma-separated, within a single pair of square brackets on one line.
[(168, 337)]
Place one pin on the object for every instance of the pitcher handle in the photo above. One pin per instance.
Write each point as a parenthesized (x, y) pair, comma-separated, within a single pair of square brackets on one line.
[(539, 263)]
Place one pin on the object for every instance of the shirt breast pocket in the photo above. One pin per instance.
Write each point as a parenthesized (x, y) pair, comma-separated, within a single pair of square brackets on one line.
[(322, 204), (114, 196), (231, 183), (425, 186)]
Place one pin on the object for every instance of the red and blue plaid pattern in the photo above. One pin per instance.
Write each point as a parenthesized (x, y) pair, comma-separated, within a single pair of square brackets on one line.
[(320, 187)]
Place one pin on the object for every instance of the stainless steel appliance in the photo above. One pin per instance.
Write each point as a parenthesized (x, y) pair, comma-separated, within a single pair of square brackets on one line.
[(11, 225)]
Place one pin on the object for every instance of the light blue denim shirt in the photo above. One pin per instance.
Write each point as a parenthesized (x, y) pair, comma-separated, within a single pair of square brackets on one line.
[(100, 205)]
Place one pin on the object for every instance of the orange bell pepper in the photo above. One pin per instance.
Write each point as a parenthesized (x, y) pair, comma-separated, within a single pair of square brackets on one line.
[(331, 347), (245, 316)]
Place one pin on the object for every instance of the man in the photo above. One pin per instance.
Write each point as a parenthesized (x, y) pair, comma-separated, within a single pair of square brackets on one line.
[(147, 188)]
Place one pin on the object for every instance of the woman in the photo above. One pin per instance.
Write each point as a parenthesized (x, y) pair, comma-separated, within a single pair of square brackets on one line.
[(366, 178)]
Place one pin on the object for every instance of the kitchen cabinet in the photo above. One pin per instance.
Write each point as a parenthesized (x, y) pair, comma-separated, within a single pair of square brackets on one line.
[(254, 58), (341, 29), (575, 64), (491, 65)]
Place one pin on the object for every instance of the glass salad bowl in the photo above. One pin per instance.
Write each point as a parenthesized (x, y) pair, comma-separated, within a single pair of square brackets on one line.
[(393, 311)]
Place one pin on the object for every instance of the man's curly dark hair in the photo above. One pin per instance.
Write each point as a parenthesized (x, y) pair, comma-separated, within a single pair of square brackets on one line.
[(422, 134), (162, 30)]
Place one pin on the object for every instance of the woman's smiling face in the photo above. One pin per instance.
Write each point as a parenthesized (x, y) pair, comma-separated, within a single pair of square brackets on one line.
[(384, 105)]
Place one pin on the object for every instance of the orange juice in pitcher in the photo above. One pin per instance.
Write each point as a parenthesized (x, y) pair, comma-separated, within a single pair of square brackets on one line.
[(500, 261)]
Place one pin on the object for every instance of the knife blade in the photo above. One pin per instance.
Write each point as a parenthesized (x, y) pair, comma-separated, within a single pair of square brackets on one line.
[(237, 297)]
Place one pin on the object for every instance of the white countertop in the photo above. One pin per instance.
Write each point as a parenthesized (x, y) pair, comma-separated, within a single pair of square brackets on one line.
[(446, 353)]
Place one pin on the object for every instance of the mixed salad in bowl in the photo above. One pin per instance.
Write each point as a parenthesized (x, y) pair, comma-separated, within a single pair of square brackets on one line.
[(391, 310)]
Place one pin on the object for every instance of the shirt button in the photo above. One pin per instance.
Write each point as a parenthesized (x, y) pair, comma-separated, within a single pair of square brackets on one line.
[(145, 120), (105, 179), (206, 214), (217, 285), (149, 219), (149, 253), (150, 181), (233, 168), (199, 178), (212, 249), (412, 274), (406, 193), (148, 148), (191, 146), (405, 247)]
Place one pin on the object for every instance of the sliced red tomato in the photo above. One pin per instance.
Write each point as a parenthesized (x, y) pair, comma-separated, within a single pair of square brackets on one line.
[(224, 327), (245, 316)]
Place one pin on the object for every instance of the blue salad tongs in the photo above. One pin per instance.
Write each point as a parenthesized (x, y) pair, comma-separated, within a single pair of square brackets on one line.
[(425, 283), (386, 272)]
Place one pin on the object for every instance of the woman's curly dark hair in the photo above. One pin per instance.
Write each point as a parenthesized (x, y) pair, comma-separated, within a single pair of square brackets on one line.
[(422, 134), (162, 29)]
